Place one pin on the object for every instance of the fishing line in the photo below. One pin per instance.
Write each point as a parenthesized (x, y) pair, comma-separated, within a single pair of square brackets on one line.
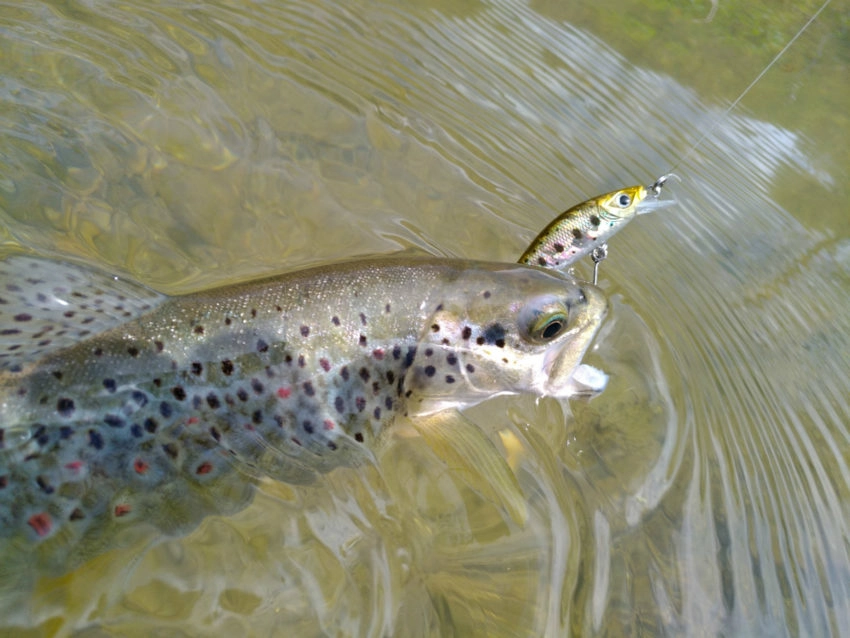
[(725, 113)]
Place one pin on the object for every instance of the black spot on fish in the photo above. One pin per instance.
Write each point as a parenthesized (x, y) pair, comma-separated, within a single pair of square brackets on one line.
[(227, 367), (594, 220), (45, 486), (242, 394), (95, 439), (133, 351), (4, 481), (362, 340), (150, 425), (22, 317), (388, 403), (435, 327), (301, 361), (430, 371), (227, 321), (358, 436), (450, 378), (197, 402), (65, 432), (113, 421), (262, 346), (335, 320), (364, 374), (390, 376), (387, 309), (165, 409), (140, 398), (451, 359), (213, 401), (136, 430), (159, 345), (577, 233), (429, 352), (308, 427), (76, 515), (466, 333), (500, 343), (109, 384), (215, 434), (65, 406), (495, 333), (541, 261), (305, 331), (198, 330), (410, 356), (253, 313), (197, 368), (396, 352), (362, 319), (331, 445), (58, 374), (377, 413), (98, 352), (10, 331), (339, 404), (257, 386), (486, 294), (308, 389), (178, 392), (171, 450), (257, 417), (558, 248), (480, 341), (343, 372), (360, 402)]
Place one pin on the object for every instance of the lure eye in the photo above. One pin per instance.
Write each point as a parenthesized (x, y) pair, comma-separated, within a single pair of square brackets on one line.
[(623, 200)]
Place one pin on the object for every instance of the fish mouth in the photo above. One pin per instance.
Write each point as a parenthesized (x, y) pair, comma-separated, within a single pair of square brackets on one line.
[(560, 363)]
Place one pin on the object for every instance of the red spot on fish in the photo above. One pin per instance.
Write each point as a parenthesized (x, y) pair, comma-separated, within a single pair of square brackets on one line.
[(284, 393), (41, 523), (122, 509), (329, 425), (192, 420), (204, 468), (378, 353), (140, 466), (74, 466), (326, 365)]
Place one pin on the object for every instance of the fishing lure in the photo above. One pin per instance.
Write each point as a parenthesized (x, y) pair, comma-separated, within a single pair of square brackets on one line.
[(585, 228)]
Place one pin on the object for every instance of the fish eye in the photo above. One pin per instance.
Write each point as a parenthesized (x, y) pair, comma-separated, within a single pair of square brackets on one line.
[(623, 200), (547, 325)]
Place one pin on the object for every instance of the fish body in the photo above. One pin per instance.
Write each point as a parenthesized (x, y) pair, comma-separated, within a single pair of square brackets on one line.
[(122, 407), (586, 226)]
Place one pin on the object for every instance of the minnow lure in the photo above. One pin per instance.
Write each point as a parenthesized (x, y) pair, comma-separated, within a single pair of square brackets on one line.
[(120, 406), (586, 227)]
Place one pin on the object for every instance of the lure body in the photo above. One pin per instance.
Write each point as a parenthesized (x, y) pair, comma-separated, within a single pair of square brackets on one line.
[(587, 226)]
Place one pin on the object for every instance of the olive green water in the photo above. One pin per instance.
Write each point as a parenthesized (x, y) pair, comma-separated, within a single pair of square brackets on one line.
[(706, 492)]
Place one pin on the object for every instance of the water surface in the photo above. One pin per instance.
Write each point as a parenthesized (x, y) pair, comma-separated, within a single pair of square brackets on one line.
[(705, 492)]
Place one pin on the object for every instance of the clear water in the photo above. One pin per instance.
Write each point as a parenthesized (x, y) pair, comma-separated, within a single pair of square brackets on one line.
[(706, 492)]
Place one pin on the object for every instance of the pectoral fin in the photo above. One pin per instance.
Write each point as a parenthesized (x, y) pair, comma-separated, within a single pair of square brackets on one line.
[(464, 447)]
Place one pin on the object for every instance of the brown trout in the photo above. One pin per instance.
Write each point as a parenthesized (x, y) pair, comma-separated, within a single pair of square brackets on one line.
[(120, 406)]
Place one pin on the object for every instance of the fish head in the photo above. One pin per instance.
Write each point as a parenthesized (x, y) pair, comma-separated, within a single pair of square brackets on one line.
[(509, 330)]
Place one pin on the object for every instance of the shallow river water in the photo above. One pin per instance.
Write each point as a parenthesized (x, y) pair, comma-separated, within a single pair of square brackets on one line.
[(705, 492)]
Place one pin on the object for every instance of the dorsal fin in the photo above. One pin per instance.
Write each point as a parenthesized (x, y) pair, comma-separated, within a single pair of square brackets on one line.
[(46, 306)]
